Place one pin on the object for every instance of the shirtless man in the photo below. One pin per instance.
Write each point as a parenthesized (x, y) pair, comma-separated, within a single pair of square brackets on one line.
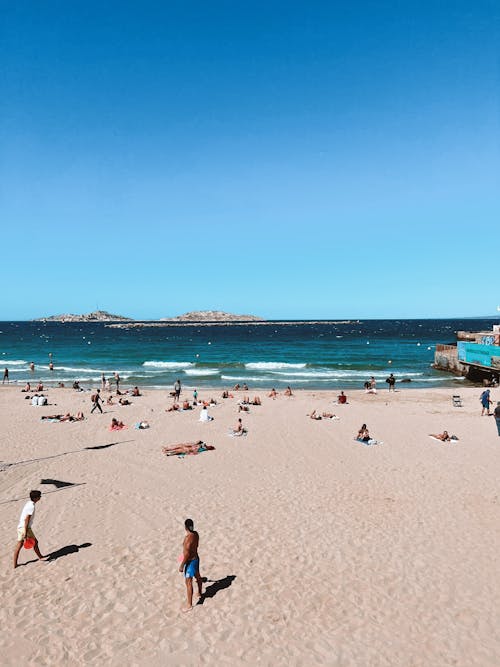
[(190, 564)]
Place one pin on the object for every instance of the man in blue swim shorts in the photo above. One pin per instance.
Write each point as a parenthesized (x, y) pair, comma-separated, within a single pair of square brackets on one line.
[(190, 564)]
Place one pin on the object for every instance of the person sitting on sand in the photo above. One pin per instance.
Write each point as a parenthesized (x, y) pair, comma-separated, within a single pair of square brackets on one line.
[(243, 408), (256, 401), (239, 430), (225, 394), (204, 416), (245, 387), (40, 386), (27, 387), (314, 415), (236, 387), (273, 393), (109, 400), (142, 425), (116, 425), (341, 398), (173, 408), (363, 434), (124, 401), (288, 391), (76, 385), (245, 400), (186, 405), (135, 392)]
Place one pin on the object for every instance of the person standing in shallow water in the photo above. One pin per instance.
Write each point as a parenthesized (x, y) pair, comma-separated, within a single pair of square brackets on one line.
[(190, 564), (5, 376)]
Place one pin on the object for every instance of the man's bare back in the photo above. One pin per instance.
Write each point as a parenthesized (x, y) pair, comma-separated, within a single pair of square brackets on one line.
[(190, 545)]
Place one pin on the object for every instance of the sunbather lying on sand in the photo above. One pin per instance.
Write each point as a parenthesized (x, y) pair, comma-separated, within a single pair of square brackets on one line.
[(314, 415), (444, 436), (116, 425), (64, 418), (173, 408), (191, 448), (329, 415)]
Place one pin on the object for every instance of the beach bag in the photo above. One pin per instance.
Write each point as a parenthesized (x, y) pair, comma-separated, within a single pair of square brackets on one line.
[(93, 398), (42, 400)]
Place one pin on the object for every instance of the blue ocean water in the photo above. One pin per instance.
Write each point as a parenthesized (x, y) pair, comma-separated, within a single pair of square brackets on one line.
[(314, 355)]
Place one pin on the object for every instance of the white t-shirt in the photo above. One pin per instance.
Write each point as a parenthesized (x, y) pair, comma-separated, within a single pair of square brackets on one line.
[(29, 508), (204, 417)]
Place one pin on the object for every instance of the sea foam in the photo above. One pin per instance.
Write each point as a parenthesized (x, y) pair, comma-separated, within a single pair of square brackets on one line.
[(271, 365), (169, 365)]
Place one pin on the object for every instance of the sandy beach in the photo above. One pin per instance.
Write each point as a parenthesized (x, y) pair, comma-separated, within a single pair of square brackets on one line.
[(317, 549)]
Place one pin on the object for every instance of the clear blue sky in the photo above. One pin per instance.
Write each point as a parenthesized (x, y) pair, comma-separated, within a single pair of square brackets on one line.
[(285, 159)]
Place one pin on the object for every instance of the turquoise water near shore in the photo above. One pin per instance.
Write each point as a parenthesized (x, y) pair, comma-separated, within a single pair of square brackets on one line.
[(314, 355)]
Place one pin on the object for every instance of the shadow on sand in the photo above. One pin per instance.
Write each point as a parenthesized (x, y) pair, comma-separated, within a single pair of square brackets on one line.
[(215, 587), (67, 550)]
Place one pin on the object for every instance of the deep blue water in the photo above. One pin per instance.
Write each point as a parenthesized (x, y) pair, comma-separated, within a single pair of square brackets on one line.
[(311, 355)]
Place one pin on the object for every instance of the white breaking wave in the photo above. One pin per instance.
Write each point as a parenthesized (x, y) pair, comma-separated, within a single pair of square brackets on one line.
[(246, 379), (343, 374), (271, 365), (70, 369), (170, 365), (14, 362), (201, 371)]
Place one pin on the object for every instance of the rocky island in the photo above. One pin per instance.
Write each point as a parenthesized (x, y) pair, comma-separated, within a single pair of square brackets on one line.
[(212, 316), (96, 316), (200, 317)]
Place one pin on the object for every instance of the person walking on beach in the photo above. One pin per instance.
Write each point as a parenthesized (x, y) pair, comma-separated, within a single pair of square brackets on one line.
[(117, 380), (391, 381), (24, 526), (177, 389), (486, 402), (103, 382), (5, 376), (96, 400), (190, 564), (496, 412)]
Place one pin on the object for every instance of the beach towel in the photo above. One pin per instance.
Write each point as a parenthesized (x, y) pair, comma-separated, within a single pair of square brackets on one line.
[(371, 441), (117, 428)]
